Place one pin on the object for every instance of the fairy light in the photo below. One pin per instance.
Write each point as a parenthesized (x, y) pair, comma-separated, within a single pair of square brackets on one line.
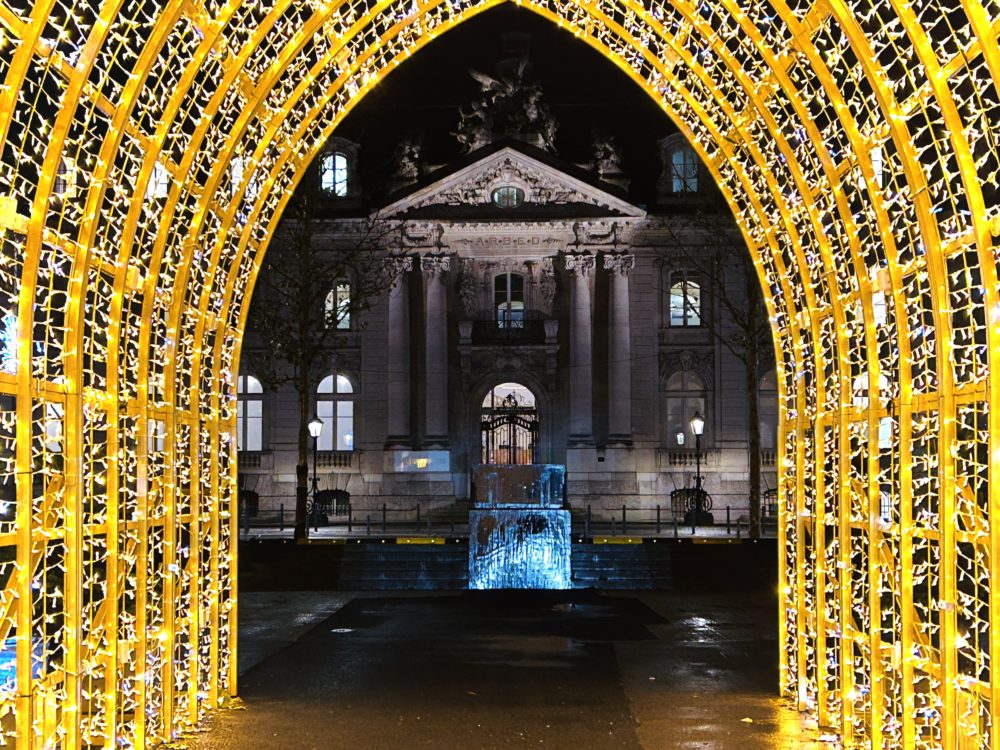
[(140, 182)]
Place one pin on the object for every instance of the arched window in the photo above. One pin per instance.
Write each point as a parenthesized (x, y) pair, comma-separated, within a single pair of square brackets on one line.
[(508, 298), (335, 406), (249, 414), (684, 170), (685, 300), (338, 305), (768, 410), (333, 174), (685, 398)]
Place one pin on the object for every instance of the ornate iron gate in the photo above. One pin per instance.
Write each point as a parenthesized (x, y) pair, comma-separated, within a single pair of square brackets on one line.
[(509, 432)]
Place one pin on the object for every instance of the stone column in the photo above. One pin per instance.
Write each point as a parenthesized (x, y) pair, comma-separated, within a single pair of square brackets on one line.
[(581, 377), (619, 349), (398, 406), (435, 267)]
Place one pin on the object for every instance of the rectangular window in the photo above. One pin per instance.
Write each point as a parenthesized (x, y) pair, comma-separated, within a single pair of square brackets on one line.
[(333, 174), (685, 301), (345, 425), (338, 306), (684, 171), (249, 425), (343, 305), (324, 410), (680, 410)]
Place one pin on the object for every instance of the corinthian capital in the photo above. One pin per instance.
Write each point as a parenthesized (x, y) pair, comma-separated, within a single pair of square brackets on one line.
[(435, 265), (579, 263), (398, 265), (620, 263)]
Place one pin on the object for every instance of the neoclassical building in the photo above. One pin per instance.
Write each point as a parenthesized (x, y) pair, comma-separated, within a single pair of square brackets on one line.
[(536, 315)]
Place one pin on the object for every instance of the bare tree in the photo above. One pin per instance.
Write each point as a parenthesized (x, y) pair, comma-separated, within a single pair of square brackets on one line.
[(306, 290), (710, 246)]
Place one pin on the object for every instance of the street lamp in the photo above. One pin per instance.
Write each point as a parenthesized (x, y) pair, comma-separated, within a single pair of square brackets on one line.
[(697, 427), (315, 430)]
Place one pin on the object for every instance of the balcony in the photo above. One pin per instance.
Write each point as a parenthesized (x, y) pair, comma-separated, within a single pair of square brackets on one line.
[(534, 329)]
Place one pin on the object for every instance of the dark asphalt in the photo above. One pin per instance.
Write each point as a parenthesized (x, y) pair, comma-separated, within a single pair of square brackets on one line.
[(485, 670)]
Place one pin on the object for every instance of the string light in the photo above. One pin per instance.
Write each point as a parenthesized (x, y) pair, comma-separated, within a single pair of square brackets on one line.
[(147, 153)]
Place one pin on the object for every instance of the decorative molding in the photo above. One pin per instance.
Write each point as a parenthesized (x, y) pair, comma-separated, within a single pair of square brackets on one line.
[(398, 266), (619, 263), (547, 283), (538, 186), (470, 289), (601, 233), (701, 362), (418, 235), (541, 183), (581, 263), (435, 265), (508, 362)]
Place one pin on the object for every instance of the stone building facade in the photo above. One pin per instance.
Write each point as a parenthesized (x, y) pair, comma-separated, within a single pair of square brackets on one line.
[(538, 316)]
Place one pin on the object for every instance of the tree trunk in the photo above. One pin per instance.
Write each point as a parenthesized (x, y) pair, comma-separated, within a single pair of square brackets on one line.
[(302, 467), (753, 396)]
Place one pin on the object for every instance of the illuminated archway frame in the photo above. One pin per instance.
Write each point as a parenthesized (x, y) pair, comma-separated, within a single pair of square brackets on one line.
[(139, 591)]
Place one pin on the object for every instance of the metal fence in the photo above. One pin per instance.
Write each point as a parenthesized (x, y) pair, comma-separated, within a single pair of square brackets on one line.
[(730, 517)]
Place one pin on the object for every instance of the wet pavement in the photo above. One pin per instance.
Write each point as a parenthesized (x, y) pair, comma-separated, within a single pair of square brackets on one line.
[(485, 670)]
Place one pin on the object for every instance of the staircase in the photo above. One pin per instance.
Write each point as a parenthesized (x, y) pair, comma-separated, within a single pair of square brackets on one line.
[(622, 566)]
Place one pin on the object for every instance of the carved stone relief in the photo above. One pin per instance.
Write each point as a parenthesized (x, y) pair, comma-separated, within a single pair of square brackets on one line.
[(701, 362), (539, 187), (469, 287)]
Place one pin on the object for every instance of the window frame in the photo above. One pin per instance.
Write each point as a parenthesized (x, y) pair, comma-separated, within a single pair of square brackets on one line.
[(693, 397), (505, 300), (767, 409), (690, 317), (335, 165), (331, 398), (247, 395), (335, 301), (685, 177)]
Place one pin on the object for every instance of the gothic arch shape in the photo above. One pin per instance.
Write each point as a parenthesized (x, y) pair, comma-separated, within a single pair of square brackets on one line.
[(127, 300)]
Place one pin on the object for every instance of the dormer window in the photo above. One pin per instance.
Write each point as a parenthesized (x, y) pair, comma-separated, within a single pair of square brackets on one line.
[(684, 171), (507, 196), (333, 174)]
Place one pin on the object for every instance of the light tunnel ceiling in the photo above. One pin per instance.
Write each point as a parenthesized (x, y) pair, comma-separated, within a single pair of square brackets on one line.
[(148, 149)]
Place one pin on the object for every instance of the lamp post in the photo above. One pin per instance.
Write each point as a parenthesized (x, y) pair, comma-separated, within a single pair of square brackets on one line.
[(697, 427), (315, 430)]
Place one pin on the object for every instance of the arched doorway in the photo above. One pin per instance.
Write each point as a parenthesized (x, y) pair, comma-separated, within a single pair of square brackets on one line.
[(509, 425)]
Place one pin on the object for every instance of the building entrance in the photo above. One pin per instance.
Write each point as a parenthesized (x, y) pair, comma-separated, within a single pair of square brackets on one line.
[(509, 425)]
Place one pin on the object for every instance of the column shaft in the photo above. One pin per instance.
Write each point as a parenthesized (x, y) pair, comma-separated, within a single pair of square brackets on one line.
[(619, 349), (398, 406), (581, 378), (436, 348)]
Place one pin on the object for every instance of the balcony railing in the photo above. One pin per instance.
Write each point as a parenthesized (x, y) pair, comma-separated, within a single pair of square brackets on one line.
[(336, 459), (528, 330)]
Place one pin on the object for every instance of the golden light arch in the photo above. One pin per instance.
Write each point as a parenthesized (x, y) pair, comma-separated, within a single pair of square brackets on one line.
[(148, 149)]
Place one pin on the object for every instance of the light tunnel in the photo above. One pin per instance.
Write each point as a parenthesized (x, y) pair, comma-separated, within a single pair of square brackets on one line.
[(148, 148)]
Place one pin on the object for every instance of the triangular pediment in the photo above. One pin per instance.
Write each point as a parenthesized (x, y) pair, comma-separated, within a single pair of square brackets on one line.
[(545, 191)]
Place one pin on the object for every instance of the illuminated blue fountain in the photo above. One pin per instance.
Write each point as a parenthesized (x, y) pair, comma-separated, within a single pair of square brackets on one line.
[(519, 534)]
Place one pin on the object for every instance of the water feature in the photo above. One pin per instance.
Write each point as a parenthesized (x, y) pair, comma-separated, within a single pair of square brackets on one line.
[(519, 532)]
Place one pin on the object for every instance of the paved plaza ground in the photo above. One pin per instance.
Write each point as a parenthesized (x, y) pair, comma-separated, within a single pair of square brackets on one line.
[(481, 670)]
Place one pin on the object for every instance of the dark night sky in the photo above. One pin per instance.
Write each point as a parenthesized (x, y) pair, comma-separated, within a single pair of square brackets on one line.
[(582, 88)]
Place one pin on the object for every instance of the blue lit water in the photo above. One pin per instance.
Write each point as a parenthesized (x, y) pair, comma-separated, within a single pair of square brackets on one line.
[(519, 548)]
